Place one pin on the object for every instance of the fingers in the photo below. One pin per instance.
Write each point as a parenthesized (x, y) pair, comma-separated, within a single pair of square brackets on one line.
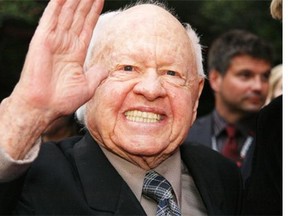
[(68, 10), (81, 15), (71, 14), (77, 15), (91, 20), (51, 13)]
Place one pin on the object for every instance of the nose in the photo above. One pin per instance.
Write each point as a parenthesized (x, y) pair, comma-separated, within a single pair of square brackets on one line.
[(258, 84), (150, 86)]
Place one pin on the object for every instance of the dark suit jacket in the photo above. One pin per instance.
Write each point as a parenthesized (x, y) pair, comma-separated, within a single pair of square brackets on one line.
[(74, 177), (201, 133), (264, 187)]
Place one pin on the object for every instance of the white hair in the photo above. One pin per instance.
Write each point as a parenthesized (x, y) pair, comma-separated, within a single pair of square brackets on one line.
[(103, 20), (195, 43)]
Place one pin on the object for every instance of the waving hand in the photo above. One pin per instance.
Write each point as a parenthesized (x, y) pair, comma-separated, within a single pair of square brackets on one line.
[(52, 81)]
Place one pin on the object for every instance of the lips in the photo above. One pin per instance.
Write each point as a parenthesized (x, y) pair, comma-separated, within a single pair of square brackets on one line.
[(143, 117), (256, 99)]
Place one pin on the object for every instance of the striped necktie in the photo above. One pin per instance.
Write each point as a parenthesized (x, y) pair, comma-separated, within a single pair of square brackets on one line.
[(159, 189)]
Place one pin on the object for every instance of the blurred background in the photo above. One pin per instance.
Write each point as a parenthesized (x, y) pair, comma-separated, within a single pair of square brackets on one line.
[(210, 18)]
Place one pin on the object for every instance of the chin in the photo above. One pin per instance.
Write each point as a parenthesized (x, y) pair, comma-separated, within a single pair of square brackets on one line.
[(143, 149), (253, 109)]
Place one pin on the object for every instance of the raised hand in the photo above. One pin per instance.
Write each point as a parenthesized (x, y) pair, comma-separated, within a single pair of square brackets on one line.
[(52, 77), (52, 81)]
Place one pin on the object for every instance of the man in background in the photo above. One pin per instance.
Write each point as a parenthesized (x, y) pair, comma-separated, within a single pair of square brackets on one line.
[(239, 65)]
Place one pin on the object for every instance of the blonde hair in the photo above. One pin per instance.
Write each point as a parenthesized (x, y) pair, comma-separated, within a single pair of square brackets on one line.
[(274, 79), (276, 9)]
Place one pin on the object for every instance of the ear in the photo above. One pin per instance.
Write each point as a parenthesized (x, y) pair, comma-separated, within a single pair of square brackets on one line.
[(215, 79), (200, 88)]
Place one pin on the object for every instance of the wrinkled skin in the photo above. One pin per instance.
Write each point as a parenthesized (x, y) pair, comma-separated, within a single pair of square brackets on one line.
[(52, 82), (145, 107)]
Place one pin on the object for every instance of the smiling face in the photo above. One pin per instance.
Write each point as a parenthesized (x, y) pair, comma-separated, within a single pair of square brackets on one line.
[(145, 107)]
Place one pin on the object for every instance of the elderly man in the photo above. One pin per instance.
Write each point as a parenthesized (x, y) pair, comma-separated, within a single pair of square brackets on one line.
[(142, 81)]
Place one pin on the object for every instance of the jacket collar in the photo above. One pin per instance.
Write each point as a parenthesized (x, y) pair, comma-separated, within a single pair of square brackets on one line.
[(206, 180), (106, 191), (103, 187)]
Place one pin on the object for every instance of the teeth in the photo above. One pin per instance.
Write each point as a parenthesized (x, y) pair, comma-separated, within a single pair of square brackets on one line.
[(138, 116)]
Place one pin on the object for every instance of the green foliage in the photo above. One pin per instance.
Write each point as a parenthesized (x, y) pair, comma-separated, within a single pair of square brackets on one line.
[(209, 17), (26, 10), (213, 17)]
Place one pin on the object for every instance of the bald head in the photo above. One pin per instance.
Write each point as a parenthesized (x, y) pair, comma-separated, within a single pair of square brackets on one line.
[(138, 22), (147, 15)]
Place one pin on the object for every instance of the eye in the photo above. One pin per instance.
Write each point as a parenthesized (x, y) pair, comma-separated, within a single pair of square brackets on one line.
[(265, 77), (173, 77), (245, 74), (128, 68), (171, 73)]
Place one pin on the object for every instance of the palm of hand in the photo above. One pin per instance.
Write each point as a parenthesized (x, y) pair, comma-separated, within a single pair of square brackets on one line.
[(53, 78)]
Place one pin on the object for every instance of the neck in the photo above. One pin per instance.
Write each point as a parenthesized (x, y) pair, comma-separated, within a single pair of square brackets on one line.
[(230, 115), (148, 163), (144, 162)]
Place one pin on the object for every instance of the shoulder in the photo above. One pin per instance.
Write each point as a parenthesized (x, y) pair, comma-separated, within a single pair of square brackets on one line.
[(58, 150), (273, 111), (200, 131), (204, 158), (54, 168), (201, 125), (202, 121), (200, 152), (54, 157)]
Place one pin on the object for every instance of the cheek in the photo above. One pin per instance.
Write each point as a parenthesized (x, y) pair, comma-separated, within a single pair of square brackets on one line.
[(110, 97), (182, 103), (105, 105), (235, 87)]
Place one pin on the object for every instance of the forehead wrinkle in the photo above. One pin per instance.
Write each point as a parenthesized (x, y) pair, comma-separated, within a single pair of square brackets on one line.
[(161, 26), (156, 54)]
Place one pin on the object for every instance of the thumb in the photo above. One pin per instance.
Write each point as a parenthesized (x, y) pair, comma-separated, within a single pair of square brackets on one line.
[(94, 76)]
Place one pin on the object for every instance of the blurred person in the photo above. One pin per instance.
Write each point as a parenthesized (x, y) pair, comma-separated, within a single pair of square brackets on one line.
[(141, 95), (276, 9), (239, 65), (275, 83), (264, 188)]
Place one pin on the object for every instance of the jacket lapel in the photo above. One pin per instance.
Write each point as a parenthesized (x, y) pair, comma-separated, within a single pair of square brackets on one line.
[(206, 179), (103, 187)]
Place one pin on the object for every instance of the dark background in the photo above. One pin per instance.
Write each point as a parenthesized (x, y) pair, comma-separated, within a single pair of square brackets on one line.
[(210, 18)]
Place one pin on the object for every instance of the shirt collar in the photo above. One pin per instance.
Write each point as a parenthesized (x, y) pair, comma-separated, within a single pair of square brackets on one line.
[(133, 175), (245, 126), (219, 123)]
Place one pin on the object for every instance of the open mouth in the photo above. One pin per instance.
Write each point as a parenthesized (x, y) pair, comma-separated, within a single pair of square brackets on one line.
[(144, 117)]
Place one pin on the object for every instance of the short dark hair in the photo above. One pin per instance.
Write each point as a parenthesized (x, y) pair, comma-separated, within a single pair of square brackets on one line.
[(234, 43)]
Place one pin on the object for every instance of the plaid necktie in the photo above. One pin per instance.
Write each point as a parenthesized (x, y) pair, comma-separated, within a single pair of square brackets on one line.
[(159, 189)]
